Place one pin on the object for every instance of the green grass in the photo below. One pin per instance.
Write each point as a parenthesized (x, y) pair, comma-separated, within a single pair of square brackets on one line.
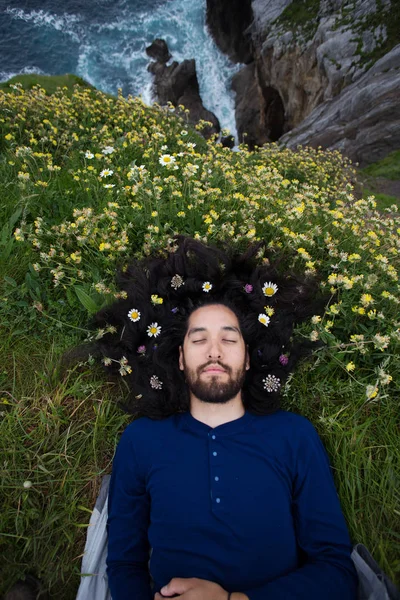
[(59, 425), (49, 83), (388, 167), (383, 201)]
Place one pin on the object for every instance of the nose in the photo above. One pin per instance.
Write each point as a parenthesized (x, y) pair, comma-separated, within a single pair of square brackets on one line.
[(214, 351)]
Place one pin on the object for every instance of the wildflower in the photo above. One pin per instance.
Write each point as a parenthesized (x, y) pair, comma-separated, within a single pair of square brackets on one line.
[(177, 282), (207, 286), (384, 378), (153, 330), (141, 349), (89, 154), (106, 173), (271, 383), (350, 366), (166, 160), (23, 176), (184, 132), (381, 342), (108, 150), (156, 299), (269, 311), (248, 288), (106, 361), (155, 383), (264, 319), (366, 299), (315, 319), (371, 392), (283, 359), (154, 213), (269, 289), (134, 315), (314, 336), (108, 186), (27, 484)]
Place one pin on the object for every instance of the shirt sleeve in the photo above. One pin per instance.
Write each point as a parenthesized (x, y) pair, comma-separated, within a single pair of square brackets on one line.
[(128, 522), (326, 569)]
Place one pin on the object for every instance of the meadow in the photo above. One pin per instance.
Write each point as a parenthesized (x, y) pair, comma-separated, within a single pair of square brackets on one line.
[(88, 180)]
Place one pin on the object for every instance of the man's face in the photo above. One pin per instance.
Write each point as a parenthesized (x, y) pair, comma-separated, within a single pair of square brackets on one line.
[(213, 356)]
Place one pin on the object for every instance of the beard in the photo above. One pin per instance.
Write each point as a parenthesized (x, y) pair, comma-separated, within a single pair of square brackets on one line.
[(213, 390)]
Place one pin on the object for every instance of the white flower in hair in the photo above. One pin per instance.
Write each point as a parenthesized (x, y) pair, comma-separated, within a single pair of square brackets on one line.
[(269, 288), (271, 383), (154, 329), (155, 383), (264, 319), (134, 315), (177, 282), (207, 286)]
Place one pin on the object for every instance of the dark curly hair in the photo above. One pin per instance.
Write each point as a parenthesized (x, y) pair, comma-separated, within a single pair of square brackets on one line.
[(150, 363)]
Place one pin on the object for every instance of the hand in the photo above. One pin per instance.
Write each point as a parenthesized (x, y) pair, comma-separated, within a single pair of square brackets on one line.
[(192, 588)]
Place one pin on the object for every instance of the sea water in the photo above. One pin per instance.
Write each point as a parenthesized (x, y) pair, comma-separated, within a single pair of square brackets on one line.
[(104, 41)]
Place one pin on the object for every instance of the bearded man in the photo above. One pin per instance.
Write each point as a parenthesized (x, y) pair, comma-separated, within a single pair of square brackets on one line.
[(231, 497)]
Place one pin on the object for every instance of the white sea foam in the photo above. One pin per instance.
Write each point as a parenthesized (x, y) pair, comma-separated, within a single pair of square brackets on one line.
[(6, 75), (67, 23), (121, 44)]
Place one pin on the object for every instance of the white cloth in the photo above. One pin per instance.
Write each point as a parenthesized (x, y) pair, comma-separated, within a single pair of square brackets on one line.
[(94, 584)]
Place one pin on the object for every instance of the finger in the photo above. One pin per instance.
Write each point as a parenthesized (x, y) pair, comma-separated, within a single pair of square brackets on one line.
[(177, 585)]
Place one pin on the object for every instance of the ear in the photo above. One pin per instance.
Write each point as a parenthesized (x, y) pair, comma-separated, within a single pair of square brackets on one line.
[(181, 358), (247, 358)]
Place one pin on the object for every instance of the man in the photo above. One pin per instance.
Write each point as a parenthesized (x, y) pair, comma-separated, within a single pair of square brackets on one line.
[(230, 504)]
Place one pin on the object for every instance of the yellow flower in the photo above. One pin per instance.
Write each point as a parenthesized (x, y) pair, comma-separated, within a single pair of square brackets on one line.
[(371, 392), (366, 299), (350, 366), (156, 299)]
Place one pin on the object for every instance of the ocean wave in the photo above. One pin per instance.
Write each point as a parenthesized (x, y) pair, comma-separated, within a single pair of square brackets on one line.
[(67, 23), (6, 75)]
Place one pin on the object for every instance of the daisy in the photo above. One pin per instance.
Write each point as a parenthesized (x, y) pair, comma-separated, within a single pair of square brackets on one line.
[(108, 150), (106, 173), (269, 288), (108, 186), (88, 154), (207, 286), (154, 329), (166, 159), (134, 315), (264, 319)]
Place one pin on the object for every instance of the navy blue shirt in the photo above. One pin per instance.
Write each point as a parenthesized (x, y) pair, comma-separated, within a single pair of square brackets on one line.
[(250, 504)]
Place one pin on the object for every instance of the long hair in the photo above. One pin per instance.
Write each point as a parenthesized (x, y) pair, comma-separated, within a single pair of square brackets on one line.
[(142, 332)]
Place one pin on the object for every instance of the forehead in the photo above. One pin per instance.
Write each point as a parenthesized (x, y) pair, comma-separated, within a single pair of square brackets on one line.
[(213, 317)]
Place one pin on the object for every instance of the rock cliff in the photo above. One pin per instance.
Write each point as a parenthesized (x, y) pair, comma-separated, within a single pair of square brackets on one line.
[(305, 53)]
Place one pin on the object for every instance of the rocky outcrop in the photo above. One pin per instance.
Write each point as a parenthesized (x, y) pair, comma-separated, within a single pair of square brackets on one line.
[(228, 21), (258, 108), (363, 121), (177, 83), (304, 54)]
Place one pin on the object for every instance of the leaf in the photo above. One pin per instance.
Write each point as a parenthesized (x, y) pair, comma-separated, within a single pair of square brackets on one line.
[(10, 280), (86, 300), (14, 218)]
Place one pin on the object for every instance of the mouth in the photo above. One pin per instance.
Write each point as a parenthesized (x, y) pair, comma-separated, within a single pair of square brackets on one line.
[(214, 370)]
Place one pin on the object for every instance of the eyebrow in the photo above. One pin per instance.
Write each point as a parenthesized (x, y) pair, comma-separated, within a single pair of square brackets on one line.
[(225, 328)]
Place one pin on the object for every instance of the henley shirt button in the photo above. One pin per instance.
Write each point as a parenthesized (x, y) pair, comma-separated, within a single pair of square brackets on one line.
[(213, 437), (214, 454), (216, 478), (218, 500)]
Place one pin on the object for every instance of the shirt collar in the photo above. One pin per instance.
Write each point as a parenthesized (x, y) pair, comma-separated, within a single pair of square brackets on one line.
[(188, 422)]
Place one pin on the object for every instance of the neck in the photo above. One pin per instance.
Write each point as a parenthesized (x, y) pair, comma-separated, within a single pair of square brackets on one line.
[(217, 414)]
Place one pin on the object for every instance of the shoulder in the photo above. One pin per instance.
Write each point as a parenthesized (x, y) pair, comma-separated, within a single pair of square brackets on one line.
[(286, 421), (145, 432)]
